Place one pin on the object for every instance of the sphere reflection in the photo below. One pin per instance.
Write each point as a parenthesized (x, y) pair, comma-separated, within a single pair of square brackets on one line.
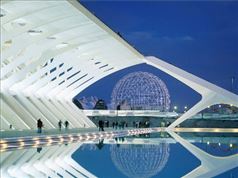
[(140, 161)]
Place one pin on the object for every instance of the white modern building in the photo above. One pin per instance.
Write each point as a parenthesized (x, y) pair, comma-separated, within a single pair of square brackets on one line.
[(52, 50)]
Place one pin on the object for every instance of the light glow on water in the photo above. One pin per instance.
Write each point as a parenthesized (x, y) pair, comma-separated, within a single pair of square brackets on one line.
[(148, 154)]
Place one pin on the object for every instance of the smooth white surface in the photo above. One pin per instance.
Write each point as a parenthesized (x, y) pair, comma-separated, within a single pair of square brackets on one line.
[(211, 94), (50, 53)]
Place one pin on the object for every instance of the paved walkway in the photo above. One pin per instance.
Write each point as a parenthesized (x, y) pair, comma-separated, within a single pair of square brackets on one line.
[(22, 139), (32, 139), (26, 133), (48, 132)]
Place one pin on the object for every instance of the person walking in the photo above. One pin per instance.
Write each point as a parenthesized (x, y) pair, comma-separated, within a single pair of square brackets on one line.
[(60, 125), (66, 123), (113, 125), (100, 125), (39, 125), (134, 124)]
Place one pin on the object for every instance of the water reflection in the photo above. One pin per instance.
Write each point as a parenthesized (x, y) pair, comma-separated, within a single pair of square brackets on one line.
[(100, 144), (39, 149), (133, 157), (210, 165), (53, 161), (140, 161)]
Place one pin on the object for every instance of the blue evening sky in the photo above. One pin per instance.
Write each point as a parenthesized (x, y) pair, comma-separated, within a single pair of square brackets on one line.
[(200, 37)]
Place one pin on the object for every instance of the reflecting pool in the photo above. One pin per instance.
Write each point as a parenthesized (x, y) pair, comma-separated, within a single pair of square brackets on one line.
[(167, 155)]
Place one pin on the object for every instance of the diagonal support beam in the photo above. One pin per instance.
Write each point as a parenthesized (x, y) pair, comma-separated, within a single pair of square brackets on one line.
[(210, 165), (211, 94)]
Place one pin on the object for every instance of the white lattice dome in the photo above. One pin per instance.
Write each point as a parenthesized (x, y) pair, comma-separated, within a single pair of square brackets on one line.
[(141, 90)]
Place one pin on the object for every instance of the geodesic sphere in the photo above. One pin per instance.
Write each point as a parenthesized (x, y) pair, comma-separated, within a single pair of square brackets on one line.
[(142, 91)]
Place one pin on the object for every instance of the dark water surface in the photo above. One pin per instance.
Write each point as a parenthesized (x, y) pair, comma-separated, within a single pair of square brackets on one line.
[(159, 158)]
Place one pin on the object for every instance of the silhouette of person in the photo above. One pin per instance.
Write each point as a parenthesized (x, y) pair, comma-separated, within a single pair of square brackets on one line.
[(113, 125), (118, 107), (100, 125), (66, 123), (39, 125), (60, 124), (134, 124)]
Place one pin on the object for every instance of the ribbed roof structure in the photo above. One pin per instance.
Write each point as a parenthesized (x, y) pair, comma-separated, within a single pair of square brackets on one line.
[(52, 50)]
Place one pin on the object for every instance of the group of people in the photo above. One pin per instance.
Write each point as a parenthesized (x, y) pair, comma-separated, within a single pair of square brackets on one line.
[(40, 125), (66, 124), (115, 125), (139, 124), (120, 125)]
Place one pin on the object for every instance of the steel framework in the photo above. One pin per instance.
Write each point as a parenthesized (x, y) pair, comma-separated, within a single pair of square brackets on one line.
[(141, 90)]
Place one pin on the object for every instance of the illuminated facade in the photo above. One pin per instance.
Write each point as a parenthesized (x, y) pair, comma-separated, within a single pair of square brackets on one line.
[(51, 51)]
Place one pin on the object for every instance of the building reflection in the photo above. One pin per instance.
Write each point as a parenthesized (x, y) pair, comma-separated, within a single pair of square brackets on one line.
[(100, 144), (139, 161), (134, 157), (48, 161), (211, 165)]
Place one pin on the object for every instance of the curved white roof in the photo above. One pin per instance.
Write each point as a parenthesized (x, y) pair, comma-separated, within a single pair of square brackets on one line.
[(33, 32), (52, 50)]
